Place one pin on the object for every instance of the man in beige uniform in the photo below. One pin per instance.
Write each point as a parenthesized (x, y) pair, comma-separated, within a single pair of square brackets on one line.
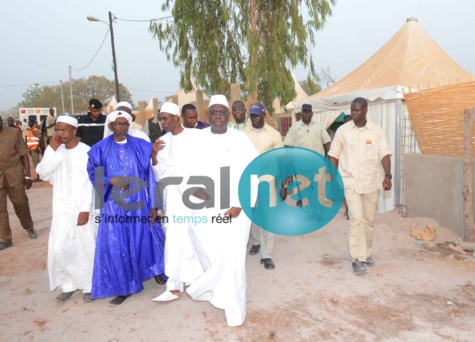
[(357, 150), (265, 138), (308, 134)]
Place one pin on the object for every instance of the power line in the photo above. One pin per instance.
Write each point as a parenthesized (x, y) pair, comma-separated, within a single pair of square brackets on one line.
[(26, 84), (153, 19), (107, 33)]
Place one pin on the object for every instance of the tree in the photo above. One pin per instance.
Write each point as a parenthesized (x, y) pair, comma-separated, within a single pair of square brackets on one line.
[(310, 87), (83, 89), (13, 112), (326, 76), (237, 41)]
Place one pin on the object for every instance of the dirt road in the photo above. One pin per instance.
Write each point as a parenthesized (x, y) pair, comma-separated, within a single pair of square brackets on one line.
[(417, 291)]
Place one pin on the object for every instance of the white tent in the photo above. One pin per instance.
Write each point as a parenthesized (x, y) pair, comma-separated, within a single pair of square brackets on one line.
[(184, 98), (409, 60), (301, 94), (150, 105), (111, 106)]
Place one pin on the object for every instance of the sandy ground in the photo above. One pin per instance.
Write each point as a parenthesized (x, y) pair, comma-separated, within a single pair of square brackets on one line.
[(417, 291)]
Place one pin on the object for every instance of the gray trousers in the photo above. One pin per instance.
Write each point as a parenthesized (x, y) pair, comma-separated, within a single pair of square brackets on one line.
[(264, 238)]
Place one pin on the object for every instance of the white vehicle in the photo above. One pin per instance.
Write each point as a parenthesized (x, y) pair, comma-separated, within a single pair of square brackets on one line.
[(39, 113)]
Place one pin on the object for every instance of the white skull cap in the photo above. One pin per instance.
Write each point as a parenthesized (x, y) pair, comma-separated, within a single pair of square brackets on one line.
[(218, 99), (170, 108)]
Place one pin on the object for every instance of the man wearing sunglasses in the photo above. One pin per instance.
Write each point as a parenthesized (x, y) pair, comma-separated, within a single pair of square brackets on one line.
[(239, 119)]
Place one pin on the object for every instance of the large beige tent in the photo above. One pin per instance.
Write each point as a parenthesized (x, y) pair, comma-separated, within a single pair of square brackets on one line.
[(409, 60)]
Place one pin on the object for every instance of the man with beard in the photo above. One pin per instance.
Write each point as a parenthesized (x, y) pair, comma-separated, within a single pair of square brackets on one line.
[(71, 240), (239, 120), (129, 247)]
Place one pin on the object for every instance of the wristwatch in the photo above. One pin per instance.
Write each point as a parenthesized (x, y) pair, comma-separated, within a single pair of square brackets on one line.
[(389, 175)]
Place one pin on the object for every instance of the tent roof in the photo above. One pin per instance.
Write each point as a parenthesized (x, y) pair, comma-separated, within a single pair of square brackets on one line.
[(184, 98), (150, 104), (409, 59), (111, 106)]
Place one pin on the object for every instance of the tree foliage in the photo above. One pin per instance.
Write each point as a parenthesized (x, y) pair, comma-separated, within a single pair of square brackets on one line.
[(83, 90), (13, 112), (310, 87), (250, 42)]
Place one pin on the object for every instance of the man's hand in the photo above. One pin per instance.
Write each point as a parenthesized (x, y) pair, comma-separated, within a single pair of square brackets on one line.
[(158, 146), (153, 216), (387, 184), (114, 180), (28, 183), (201, 194), (233, 212), (55, 142), (83, 218)]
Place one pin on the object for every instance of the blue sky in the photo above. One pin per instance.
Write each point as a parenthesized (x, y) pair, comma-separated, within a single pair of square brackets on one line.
[(41, 38)]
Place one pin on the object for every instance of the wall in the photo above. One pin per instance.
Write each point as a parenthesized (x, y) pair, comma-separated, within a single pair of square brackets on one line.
[(432, 187)]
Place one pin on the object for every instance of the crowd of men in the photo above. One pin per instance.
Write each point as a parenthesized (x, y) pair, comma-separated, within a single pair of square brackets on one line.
[(107, 242)]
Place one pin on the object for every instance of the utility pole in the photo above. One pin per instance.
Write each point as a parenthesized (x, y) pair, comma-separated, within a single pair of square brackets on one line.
[(62, 94), (71, 90), (114, 59)]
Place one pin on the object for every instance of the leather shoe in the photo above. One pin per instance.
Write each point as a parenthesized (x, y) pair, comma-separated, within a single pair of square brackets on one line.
[(87, 297), (369, 262), (63, 296), (4, 245), (32, 234), (268, 263), (254, 249), (358, 267), (118, 300)]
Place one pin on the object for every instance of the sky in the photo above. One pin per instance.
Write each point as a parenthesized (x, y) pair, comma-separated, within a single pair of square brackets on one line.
[(40, 39)]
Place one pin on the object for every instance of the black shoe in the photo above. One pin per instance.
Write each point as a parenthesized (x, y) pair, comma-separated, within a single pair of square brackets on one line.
[(63, 296), (254, 249), (268, 263), (87, 297), (118, 300), (369, 262), (358, 267), (4, 245), (32, 234)]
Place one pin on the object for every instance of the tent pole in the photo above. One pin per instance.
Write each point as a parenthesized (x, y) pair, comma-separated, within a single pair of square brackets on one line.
[(397, 158)]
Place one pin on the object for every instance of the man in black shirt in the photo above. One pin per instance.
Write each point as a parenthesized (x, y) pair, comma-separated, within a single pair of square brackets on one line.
[(91, 126)]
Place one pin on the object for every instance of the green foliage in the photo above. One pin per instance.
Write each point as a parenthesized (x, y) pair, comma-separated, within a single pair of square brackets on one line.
[(310, 87), (83, 90), (222, 42), (13, 112)]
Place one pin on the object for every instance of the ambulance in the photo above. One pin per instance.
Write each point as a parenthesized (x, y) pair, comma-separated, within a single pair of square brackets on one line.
[(39, 113)]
